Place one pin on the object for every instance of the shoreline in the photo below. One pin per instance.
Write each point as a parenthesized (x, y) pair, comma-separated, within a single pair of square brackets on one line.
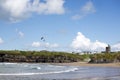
[(86, 64), (80, 64)]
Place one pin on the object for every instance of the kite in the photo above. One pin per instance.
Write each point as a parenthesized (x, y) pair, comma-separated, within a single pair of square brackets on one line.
[(42, 38)]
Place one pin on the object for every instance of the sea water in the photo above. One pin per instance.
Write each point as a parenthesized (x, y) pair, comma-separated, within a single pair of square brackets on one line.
[(32, 71)]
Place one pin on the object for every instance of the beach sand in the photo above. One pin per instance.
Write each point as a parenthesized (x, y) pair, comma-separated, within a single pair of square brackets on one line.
[(89, 64)]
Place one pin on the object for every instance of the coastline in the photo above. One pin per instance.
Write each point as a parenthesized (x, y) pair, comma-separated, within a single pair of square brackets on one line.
[(82, 64), (89, 64)]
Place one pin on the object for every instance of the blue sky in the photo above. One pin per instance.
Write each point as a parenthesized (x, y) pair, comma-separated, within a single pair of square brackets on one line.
[(66, 25)]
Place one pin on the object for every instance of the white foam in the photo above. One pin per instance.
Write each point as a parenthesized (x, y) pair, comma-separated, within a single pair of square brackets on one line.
[(69, 70), (39, 68), (56, 66), (27, 74), (35, 67), (8, 63)]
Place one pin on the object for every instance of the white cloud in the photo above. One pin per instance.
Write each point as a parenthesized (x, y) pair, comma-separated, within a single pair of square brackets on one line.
[(97, 45), (36, 44), (21, 34), (83, 43), (55, 6), (87, 9), (116, 47), (47, 45), (16, 10), (51, 45), (1, 41)]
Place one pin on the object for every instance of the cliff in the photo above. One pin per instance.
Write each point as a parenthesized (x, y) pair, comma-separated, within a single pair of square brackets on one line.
[(38, 57)]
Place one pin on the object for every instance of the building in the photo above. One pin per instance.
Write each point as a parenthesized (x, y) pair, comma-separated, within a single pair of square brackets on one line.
[(108, 49)]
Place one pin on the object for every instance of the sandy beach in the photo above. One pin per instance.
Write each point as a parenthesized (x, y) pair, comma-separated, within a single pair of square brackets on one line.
[(90, 64)]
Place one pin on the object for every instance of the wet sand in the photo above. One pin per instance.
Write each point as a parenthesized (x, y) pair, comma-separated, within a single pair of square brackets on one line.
[(90, 64)]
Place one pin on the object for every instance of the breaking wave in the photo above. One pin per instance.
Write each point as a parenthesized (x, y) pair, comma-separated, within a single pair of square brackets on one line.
[(8, 63), (22, 74), (33, 69)]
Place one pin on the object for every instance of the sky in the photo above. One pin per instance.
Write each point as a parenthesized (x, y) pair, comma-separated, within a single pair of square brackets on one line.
[(59, 25)]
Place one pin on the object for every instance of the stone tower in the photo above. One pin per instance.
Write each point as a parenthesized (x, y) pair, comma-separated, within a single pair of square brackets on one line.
[(108, 49)]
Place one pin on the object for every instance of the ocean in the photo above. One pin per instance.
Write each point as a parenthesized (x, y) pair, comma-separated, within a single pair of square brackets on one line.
[(40, 71)]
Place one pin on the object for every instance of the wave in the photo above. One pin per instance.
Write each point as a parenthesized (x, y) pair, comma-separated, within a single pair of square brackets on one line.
[(27, 74), (103, 78), (36, 68), (23, 65), (8, 63), (55, 66)]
